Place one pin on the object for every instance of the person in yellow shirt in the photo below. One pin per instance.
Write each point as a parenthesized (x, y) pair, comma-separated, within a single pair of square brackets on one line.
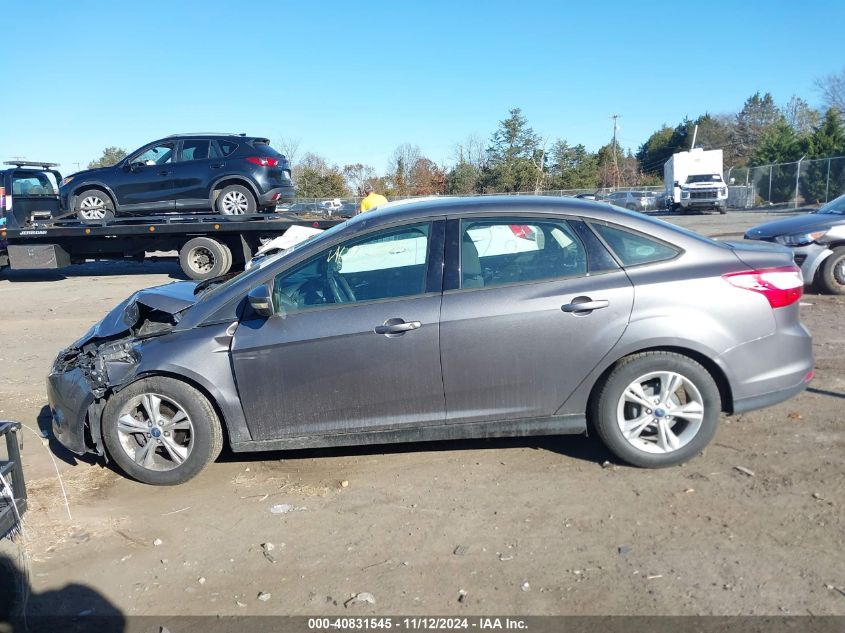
[(371, 199)]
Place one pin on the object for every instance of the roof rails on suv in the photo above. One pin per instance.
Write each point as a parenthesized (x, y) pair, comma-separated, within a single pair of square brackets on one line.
[(206, 134)]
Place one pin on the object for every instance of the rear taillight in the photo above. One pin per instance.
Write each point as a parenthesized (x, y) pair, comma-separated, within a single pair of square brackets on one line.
[(523, 231), (781, 286), (264, 161)]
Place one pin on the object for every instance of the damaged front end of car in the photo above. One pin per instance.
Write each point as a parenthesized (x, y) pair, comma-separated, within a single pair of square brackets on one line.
[(105, 360)]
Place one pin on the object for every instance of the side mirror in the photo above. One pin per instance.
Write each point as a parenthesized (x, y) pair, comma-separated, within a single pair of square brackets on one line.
[(732, 181), (260, 301)]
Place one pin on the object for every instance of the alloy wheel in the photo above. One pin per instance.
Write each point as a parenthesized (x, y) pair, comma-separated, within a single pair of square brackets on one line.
[(92, 208), (660, 412), (234, 203), (155, 432)]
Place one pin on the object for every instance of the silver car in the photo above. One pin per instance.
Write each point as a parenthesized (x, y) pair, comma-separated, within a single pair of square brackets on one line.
[(438, 320), (633, 200)]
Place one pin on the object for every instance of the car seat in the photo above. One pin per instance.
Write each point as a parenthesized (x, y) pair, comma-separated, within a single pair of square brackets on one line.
[(471, 276)]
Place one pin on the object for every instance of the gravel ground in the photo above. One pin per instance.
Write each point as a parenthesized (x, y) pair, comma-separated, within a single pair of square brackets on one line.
[(525, 526)]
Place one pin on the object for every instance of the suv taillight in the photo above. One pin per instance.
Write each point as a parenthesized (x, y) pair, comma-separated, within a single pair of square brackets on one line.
[(264, 161), (781, 286)]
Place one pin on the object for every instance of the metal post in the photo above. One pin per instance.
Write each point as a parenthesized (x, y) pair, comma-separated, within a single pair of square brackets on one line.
[(827, 183), (797, 177), (770, 183)]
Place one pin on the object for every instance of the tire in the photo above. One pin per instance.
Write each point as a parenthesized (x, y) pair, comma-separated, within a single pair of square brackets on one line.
[(204, 258), (93, 206), (197, 437), (648, 448), (831, 275), (235, 200)]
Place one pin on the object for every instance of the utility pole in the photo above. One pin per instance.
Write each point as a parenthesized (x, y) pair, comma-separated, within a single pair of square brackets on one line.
[(615, 162)]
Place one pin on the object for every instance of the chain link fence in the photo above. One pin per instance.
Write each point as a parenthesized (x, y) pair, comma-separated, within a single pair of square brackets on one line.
[(801, 183)]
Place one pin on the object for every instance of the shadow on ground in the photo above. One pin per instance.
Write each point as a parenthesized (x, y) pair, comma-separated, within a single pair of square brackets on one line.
[(72, 608)]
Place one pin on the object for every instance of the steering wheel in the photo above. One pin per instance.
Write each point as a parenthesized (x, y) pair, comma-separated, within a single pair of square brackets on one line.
[(339, 287)]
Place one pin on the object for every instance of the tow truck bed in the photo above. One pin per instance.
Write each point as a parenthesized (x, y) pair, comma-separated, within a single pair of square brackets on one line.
[(58, 242)]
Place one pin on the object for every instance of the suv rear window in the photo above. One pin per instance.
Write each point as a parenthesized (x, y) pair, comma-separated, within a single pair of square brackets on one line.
[(633, 249), (33, 184)]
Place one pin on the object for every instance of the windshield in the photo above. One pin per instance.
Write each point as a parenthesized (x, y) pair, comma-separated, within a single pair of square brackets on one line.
[(703, 178), (262, 263), (835, 206)]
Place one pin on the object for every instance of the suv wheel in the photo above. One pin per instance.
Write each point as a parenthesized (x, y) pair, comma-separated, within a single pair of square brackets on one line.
[(161, 431), (657, 409), (831, 275), (93, 206), (235, 200)]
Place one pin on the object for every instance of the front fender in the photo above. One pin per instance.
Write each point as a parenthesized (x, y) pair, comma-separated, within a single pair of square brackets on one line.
[(179, 354)]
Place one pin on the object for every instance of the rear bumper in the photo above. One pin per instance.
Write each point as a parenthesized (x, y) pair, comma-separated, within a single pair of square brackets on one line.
[(769, 399), (276, 195), (773, 368), (70, 397)]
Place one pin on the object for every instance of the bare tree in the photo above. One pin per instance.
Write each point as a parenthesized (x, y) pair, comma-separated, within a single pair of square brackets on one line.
[(357, 175), (472, 151), (832, 89), (289, 147)]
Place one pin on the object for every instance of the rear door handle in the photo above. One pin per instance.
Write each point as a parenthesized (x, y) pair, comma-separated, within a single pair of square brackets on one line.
[(396, 327), (584, 305), (163, 173), (216, 165)]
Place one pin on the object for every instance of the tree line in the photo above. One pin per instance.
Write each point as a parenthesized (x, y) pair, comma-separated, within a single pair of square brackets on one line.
[(516, 158)]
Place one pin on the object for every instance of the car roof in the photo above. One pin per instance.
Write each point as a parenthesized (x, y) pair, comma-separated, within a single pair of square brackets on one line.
[(240, 137), (494, 205)]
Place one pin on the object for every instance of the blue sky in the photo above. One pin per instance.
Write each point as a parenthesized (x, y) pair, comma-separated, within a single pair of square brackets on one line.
[(354, 80)]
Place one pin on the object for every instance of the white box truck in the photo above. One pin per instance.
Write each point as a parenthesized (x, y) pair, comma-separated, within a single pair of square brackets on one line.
[(694, 181)]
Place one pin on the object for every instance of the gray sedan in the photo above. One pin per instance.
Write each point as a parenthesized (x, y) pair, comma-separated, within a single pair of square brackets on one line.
[(444, 319)]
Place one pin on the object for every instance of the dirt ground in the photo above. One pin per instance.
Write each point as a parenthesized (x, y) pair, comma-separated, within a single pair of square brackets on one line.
[(529, 526)]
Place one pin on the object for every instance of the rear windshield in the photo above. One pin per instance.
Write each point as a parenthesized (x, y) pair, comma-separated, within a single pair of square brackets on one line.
[(34, 184), (263, 149)]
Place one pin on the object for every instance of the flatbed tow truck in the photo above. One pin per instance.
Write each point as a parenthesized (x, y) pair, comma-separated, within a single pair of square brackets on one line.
[(37, 235)]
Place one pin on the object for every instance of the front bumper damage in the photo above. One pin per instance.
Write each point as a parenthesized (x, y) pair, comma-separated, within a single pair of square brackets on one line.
[(77, 386), (106, 359)]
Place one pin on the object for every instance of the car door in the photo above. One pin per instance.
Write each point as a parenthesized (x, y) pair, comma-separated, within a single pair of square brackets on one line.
[(145, 183), (514, 341), (358, 345), (192, 174)]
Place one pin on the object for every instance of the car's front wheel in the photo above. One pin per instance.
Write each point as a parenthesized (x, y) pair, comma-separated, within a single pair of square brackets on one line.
[(161, 431), (831, 275), (235, 200), (93, 207), (657, 409)]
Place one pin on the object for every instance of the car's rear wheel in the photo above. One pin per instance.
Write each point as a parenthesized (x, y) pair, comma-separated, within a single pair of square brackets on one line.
[(831, 275), (235, 200), (657, 409), (204, 258), (161, 431), (93, 206)]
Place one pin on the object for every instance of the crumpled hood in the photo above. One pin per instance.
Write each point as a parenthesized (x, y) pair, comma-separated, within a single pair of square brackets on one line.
[(170, 298), (796, 224)]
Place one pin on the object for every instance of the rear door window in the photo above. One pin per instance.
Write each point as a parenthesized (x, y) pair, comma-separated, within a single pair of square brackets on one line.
[(227, 148), (519, 250), (194, 150), (634, 249)]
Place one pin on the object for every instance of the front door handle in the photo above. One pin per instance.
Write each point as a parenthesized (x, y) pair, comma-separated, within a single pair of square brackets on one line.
[(163, 172), (396, 327), (216, 165), (584, 305)]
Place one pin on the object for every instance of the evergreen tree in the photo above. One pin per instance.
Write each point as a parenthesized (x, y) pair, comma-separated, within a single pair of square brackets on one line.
[(512, 159), (828, 139)]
